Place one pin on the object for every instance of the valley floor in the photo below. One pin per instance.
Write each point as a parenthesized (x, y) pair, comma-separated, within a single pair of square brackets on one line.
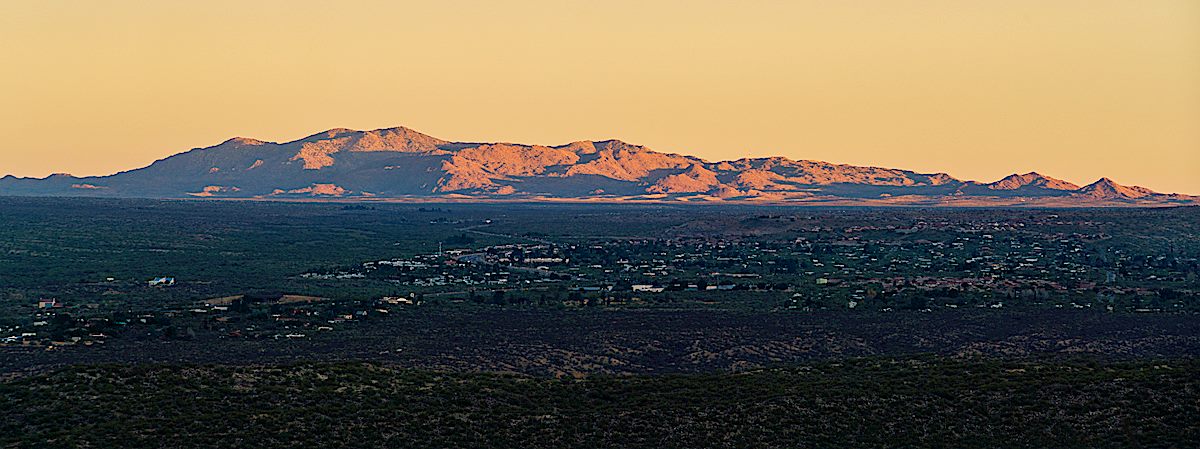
[(290, 325)]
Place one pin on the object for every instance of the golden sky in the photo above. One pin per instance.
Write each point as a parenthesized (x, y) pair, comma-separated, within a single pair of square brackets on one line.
[(975, 88)]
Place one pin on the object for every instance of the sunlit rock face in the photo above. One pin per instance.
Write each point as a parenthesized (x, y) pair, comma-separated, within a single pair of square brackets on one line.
[(403, 163)]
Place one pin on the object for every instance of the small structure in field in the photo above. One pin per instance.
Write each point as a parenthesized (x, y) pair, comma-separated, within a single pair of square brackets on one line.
[(162, 282)]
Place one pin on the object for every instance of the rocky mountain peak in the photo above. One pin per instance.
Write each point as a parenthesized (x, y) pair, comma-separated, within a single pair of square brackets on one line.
[(402, 163), (1031, 179), (1106, 188)]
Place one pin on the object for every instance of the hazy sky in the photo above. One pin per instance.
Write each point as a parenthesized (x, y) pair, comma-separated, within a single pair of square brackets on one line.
[(978, 89)]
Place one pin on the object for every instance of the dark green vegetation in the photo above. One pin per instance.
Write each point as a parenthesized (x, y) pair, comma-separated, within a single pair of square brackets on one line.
[(68, 248), (575, 343), (94, 257), (853, 403), (313, 324)]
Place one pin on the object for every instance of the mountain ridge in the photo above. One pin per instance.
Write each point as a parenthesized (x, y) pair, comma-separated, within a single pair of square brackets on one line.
[(401, 163)]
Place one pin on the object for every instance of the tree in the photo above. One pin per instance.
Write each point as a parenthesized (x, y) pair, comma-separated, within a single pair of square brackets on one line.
[(917, 300)]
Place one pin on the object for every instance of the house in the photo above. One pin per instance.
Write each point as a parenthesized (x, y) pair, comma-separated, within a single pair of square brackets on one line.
[(397, 300), (647, 288), (162, 281), (49, 304)]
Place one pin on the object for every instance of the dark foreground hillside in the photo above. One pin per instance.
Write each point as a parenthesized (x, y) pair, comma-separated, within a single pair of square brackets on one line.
[(553, 343), (927, 402)]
